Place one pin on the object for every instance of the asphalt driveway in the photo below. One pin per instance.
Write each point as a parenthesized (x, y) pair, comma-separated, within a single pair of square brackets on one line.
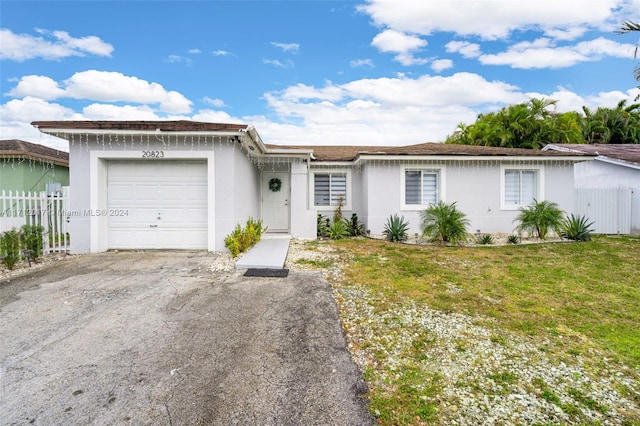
[(157, 338)]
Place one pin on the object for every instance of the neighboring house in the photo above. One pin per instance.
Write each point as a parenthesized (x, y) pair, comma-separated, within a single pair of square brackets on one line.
[(183, 184), (29, 167), (608, 188)]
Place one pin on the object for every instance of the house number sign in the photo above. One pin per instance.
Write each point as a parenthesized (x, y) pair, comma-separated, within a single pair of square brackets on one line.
[(152, 154)]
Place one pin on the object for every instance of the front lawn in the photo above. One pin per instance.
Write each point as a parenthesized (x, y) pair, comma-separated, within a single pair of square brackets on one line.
[(524, 334)]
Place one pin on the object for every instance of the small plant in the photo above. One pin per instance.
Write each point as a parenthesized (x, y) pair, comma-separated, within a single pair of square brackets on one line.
[(513, 239), (539, 217), (337, 213), (396, 229), (322, 226), (242, 239), (485, 239), (32, 240), (338, 230), (576, 228), (354, 227), (10, 248), (444, 222)]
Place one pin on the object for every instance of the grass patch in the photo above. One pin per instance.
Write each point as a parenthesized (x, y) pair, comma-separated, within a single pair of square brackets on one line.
[(325, 263)]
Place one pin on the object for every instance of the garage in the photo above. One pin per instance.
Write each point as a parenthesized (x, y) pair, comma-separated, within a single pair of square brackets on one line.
[(157, 204)]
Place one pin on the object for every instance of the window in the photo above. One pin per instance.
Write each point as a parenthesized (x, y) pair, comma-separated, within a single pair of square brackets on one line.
[(421, 187), (520, 187), (328, 188)]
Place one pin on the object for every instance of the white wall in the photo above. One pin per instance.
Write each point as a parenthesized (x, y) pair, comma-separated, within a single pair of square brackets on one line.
[(600, 174)]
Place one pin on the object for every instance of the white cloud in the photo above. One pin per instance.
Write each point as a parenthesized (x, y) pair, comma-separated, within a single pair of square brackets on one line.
[(287, 47), (465, 48), (440, 65), (194, 51), (218, 103), (278, 64), (356, 63), (489, 19), (38, 86), (177, 59), (50, 45), (404, 45), (116, 112), (221, 53)]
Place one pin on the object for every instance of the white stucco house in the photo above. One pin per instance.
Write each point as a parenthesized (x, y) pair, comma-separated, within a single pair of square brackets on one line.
[(608, 188), (186, 185)]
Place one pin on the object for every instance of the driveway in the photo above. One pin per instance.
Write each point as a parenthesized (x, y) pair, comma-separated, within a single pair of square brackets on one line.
[(157, 338)]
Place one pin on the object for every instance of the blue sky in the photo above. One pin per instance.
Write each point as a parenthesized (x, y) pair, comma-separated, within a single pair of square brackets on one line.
[(370, 72)]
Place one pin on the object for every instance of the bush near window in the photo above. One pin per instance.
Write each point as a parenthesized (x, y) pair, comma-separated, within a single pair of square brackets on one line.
[(444, 222), (540, 217), (31, 238), (242, 239), (395, 230)]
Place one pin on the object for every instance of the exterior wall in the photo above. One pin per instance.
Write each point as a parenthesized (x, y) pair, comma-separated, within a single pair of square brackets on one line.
[(600, 174), (474, 186), (233, 185), (31, 177), (302, 218)]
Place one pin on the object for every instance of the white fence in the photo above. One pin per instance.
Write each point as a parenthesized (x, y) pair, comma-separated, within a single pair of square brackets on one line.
[(609, 208), (31, 208)]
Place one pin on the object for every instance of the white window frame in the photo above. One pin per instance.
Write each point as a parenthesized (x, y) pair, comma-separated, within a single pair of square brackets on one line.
[(539, 169), (312, 187), (440, 170)]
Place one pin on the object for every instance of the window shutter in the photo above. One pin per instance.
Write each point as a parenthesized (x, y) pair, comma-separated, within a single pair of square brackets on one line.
[(429, 188), (512, 187), (321, 190), (338, 189), (412, 187), (528, 187)]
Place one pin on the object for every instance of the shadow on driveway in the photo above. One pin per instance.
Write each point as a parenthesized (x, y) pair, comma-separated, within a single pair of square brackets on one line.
[(157, 338)]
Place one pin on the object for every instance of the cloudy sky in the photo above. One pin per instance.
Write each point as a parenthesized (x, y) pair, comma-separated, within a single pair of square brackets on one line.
[(374, 72)]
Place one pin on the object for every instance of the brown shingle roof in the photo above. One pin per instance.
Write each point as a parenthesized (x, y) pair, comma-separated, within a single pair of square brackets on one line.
[(629, 153), (166, 126), (16, 147), (350, 153)]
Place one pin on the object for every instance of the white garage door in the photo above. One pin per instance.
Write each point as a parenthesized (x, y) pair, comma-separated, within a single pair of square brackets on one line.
[(157, 204)]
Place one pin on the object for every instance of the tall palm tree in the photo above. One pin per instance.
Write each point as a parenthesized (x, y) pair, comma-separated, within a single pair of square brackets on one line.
[(628, 27)]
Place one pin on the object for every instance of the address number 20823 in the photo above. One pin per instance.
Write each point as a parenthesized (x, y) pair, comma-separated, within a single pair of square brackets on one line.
[(152, 154)]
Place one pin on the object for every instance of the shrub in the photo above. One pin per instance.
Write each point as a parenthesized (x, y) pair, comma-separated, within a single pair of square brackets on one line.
[(10, 247), (513, 239), (31, 239), (576, 228), (354, 228), (337, 213), (485, 239), (322, 226), (444, 222), (539, 217), (396, 229), (338, 230), (242, 239)]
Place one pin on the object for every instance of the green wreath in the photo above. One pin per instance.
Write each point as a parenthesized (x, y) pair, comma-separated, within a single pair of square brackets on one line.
[(275, 184)]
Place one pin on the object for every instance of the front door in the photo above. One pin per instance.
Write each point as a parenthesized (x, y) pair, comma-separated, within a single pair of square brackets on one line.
[(275, 201)]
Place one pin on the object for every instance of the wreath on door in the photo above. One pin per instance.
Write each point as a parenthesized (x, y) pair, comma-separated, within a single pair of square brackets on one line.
[(275, 185)]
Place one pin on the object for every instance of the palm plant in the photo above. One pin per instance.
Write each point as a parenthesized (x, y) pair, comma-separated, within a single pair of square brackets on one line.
[(396, 229), (338, 230), (576, 228), (444, 222), (539, 217)]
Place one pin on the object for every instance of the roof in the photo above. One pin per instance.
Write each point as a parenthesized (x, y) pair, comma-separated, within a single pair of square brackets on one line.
[(17, 148), (351, 153), (623, 153), (165, 126)]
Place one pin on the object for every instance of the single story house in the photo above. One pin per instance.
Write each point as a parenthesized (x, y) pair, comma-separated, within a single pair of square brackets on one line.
[(186, 185), (608, 188), (31, 167)]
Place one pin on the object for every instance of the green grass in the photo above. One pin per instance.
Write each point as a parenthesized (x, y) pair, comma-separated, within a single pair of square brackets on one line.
[(580, 290)]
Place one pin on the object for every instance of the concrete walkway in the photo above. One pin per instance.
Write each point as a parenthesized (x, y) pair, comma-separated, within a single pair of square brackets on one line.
[(270, 253)]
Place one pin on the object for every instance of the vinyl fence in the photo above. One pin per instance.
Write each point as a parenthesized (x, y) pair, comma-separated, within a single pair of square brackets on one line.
[(31, 208), (609, 208)]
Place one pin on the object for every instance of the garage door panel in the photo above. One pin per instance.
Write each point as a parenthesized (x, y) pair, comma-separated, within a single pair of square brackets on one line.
[(165, 201)]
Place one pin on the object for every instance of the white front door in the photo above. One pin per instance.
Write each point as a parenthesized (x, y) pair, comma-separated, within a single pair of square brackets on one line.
[(275, 201)]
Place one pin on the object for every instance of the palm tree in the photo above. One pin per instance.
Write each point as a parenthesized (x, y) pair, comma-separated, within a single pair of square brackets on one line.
[(628, 27)]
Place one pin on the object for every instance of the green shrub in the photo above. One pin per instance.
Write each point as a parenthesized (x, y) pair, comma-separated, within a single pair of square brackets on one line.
[(576, 228), (485, 239), (322, 226), (338, 230), (396, 229), (10, 247), (354, 227), (539, 217), (444, 222), (513, 239), (31, 239), (242, 239)]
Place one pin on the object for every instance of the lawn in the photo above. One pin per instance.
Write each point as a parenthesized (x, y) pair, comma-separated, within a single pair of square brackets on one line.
[(519, 334)]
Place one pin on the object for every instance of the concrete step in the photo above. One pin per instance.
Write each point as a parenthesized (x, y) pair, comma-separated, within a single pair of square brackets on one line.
[(269, 253)]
